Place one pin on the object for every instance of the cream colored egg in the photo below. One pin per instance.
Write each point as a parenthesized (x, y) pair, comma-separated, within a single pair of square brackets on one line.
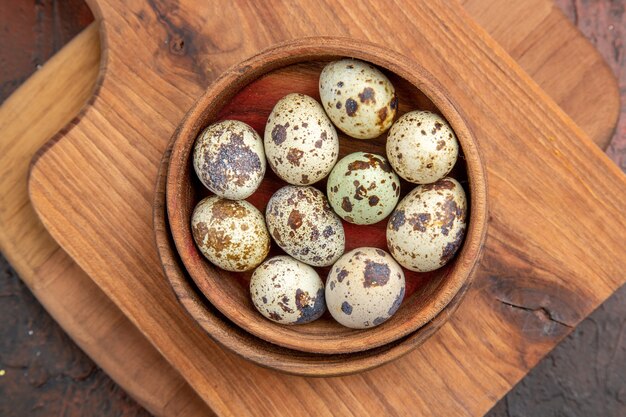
[(287, 291), (365, 287), (362, 188), (229, 160), (427, 228), (301, 143), (358, 98), (231, 234), (422, 147), (302, 223)]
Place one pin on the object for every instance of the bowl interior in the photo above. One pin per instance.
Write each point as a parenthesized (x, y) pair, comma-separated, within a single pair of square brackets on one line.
[(251, 99)]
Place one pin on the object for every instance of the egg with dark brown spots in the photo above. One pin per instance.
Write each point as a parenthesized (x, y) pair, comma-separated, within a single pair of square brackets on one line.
[(301, 143), (358, 98), (302, 223), (231, 234), (229, 160), (427, 228), (365, 287), (362, 188), (422, 147), (287, 291)]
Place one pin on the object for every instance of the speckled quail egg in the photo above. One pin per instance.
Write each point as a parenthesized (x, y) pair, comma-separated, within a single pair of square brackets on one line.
[(228, 158), (231, 234), (364, 288), (421, 147), (358, 98), (427, 228), (362, 188), (302, 223), (301, 143), (287, 291)]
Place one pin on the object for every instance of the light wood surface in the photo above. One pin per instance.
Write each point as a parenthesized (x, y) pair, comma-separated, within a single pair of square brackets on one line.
[(564, 64), (538, 264), (587, 82), (42, 106)]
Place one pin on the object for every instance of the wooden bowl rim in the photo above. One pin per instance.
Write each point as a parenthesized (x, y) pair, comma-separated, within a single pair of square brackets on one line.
[(315, 49), (258, 351)]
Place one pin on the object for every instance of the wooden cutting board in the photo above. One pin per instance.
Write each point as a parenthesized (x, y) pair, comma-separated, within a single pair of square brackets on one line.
[(42, 106), (56, 276), (544, 265)]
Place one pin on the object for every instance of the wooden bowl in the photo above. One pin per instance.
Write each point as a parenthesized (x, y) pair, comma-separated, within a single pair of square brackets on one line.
[(254, 349), (248, 93)]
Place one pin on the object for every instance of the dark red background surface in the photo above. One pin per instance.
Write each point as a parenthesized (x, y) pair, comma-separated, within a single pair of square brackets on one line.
[(46, 374)]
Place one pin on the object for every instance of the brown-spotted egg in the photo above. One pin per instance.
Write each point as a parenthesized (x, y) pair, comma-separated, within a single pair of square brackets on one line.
[(302, 223), (229, 160), (231, 234), (287, 291), (427, 228), (358, 98), (422, 147), (365, 287), (301, 143), (362, 188)]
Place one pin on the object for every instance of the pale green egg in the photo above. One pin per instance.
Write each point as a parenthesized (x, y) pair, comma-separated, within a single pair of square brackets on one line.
[(362, 188)]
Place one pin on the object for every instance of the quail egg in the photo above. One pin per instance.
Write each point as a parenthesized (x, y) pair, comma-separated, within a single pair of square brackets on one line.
[(362, 188), (229, 160), (427, 228), (303, 224), (365, 287), (231, 234), (421, 147), (358, 98), (301, 143), (287, 291)]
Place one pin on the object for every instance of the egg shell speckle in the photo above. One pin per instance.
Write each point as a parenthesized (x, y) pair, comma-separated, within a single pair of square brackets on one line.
[(287, 291), (229, 160), (302, 223), (365, 287), (301, 143), (231, 234), (358, 98), (422, 147), (362, 188), (427, 228)]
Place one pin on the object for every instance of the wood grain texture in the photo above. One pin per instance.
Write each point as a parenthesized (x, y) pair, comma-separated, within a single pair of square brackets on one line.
[(294, 68), (512, 358), (585, 375), (604, 24), (27, 119), (552, 67), (45, 372), (502, 33)]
